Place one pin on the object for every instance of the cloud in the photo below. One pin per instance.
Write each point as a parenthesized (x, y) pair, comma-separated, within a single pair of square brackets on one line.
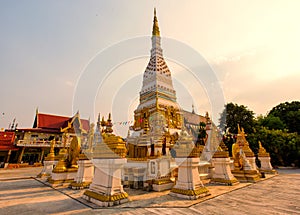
[(252, 79)]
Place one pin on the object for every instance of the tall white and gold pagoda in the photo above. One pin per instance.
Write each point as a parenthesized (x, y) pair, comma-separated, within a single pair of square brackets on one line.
[(157, 94), (157, 121)]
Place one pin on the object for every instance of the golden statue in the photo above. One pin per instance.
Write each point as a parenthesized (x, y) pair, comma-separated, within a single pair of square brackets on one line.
[(74, 151), (237, 149), (52, 144), (236, 155)]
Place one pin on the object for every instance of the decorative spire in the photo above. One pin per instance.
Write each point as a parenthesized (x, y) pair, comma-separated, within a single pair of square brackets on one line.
[(155, 30), (109, 125), (193, 111), (98, 121), (103, 123)]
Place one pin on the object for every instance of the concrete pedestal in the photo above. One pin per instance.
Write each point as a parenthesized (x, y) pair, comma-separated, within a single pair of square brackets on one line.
[(266, 165), (106, 189), (204, 170), (246, 175), (188, 185), (159, 174), (62, 178), (47, 169), (252, 163), (249, 173), (222, 173), (84, 175)]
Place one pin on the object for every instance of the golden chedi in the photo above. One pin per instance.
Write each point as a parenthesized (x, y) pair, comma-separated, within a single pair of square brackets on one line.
[(187, 157), (244, 166), (221, 163), (264, 158), (108, 156)]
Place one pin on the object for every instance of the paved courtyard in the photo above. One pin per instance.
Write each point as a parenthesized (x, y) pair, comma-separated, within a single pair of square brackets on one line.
[(22, 193)]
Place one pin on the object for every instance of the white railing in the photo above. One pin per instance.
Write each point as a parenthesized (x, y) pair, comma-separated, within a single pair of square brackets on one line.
[(40, 143)]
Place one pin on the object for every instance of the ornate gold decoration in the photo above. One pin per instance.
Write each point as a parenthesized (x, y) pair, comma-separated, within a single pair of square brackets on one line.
[(106, 198), (80, 185), (51, 155), (112, 146), (74, 151), (155, 30), (162, 180), (222, 151), (225, 181), (241, 149), (61, 166), (262, 151), (197, 192)]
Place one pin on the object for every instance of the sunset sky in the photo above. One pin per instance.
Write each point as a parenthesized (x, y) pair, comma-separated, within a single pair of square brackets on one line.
[(46, 47)]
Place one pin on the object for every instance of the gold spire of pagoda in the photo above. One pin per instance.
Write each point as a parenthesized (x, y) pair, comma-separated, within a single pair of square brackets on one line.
[(155, 30)]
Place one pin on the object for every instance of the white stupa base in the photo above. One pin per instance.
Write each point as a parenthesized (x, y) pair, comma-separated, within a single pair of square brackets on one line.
[(84, 175), (106, 189), (222, 173), (266, 166), (188, 184), (47, 168)]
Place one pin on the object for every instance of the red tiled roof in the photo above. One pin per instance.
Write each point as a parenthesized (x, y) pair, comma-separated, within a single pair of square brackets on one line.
[(7, 139), (50, 121), (54, 122)]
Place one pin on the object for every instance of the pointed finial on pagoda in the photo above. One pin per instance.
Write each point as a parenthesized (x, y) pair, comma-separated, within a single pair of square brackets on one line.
[(109, 117), (98, 121), (37, 110), (109, 125), (103, 123), (239, 130), (155, 30)]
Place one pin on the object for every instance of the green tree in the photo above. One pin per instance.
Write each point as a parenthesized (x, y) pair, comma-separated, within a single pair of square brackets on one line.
[(234, 114), (271, 122), (289, 114), (284, 148)]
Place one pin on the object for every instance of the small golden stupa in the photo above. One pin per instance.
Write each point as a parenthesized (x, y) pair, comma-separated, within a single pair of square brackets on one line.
[(112, 146), (51, 155), (262, 151)]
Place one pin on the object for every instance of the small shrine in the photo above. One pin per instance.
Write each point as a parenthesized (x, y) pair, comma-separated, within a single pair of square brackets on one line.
[(187, 157), (49, 162), (108, 156), (265, 159), (66, 168), (221, 162), (85, 171), (244, 170)]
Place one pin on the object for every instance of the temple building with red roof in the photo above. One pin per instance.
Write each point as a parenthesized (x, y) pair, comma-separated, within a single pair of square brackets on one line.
[(33, 144), (7, 147)]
